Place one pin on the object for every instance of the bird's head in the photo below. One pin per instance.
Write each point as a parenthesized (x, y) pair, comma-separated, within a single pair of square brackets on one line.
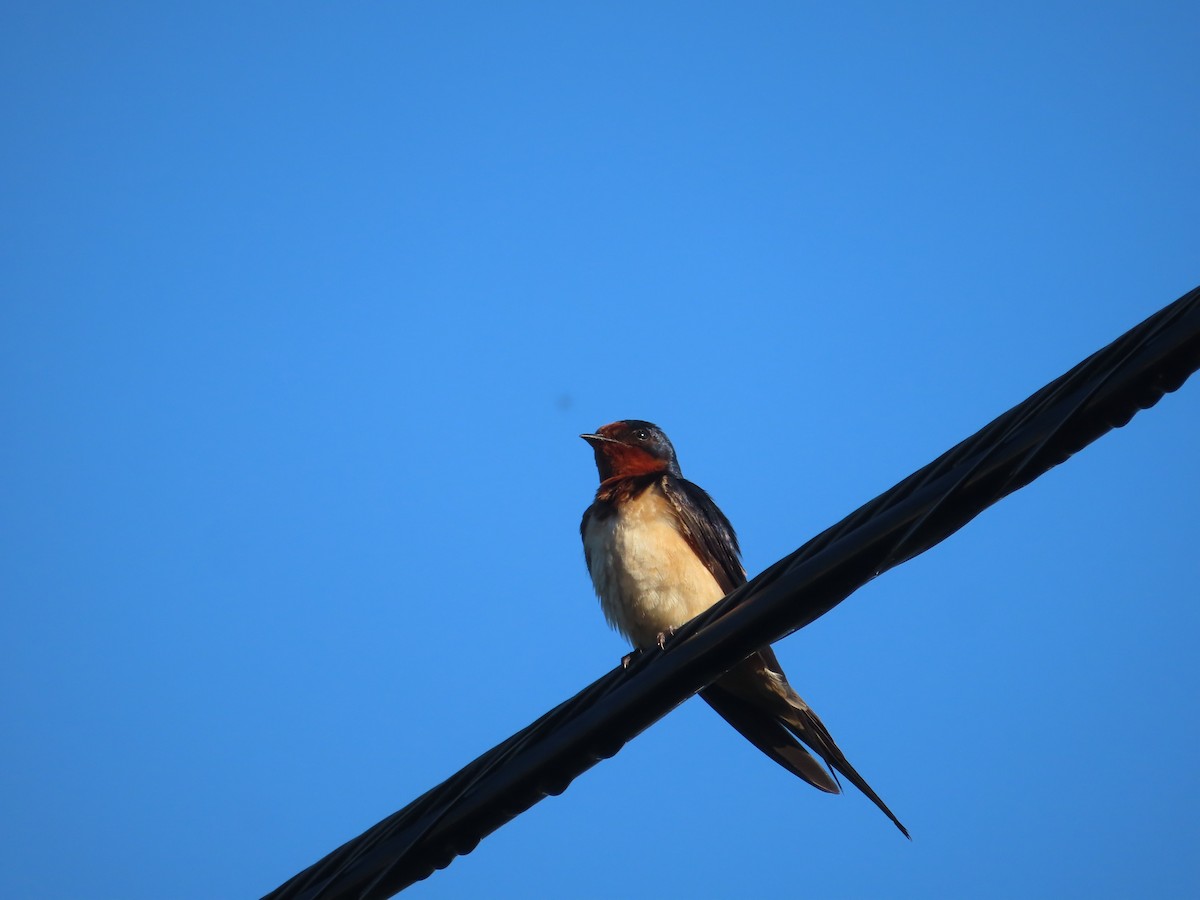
[(632, 447)]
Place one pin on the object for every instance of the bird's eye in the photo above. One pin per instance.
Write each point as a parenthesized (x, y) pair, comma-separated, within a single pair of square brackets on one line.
[(642, 434)]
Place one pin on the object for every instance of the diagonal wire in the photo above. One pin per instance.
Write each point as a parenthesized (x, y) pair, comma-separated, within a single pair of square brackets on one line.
[(1101, 393)]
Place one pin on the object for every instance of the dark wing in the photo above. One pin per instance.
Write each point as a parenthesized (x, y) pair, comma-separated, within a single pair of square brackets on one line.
[(767, 732), (706, 530), (587, 515), (756, 699)]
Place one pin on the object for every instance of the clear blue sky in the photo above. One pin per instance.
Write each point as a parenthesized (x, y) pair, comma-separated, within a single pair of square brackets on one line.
[(304, 307)]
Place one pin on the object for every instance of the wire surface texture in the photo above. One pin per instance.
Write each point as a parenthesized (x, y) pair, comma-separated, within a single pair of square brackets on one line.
[(1101, 393)]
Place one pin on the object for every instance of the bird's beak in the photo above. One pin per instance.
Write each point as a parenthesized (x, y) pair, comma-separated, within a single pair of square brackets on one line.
[(595, 439)]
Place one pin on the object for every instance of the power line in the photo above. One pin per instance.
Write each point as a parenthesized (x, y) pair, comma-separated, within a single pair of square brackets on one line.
[(1101, 393)]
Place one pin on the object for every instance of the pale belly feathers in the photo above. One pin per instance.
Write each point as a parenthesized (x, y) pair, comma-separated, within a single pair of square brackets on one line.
[(645, 574)]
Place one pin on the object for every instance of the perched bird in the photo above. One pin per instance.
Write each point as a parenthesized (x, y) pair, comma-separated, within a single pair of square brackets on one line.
[(660, 552)]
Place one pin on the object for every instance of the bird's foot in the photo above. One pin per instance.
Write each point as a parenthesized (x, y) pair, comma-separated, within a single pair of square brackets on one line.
[(661, 640)]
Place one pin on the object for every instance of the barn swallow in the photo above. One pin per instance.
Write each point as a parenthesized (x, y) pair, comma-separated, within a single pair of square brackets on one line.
[(660, 552)]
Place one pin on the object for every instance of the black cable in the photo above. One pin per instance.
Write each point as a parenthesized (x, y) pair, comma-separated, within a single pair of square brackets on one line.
[(1103, 392)]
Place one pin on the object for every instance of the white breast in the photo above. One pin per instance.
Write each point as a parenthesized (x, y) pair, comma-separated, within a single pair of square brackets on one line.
[(645, 574)]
